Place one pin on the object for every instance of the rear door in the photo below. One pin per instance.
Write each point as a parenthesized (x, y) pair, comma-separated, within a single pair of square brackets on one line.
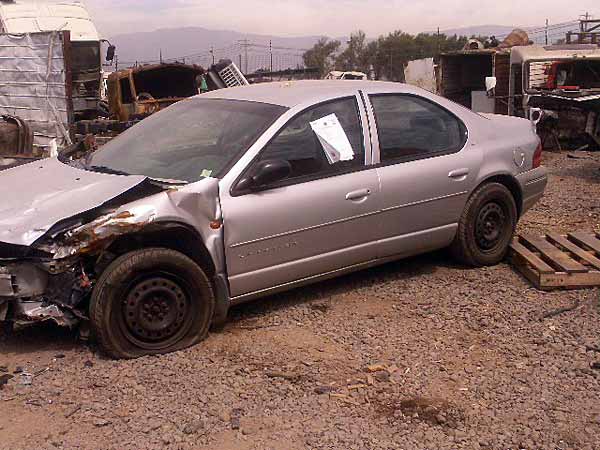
[(320, 220), (426, 171)]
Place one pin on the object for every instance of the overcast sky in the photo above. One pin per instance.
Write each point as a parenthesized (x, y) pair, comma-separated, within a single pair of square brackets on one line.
[(329, 17)]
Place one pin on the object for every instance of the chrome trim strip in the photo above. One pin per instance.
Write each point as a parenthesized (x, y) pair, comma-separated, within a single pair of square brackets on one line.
[(536, 180), (314, 227), (421, 202)]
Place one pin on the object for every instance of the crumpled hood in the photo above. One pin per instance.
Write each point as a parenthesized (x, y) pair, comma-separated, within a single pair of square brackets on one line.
[(37, 196)]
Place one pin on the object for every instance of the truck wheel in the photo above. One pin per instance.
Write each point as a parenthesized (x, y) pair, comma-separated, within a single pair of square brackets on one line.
[(6, 329), (486, 226), (151, 301)]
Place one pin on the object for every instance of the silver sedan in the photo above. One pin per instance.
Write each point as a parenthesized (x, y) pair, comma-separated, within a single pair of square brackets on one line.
[(244, 192)]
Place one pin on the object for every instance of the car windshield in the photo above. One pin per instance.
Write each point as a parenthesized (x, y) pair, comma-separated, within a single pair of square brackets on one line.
[(193, 139)]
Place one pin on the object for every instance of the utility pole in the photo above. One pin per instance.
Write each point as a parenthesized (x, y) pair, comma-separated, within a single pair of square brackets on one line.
[(391, 65), (212, 52), (438, 41), (271, 53), (240, 61), (245, 44), (116, 63), (161, 60), (546, 32)]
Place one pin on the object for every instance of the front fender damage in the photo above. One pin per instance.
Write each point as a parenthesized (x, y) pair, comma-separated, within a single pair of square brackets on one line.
[(54, 278)]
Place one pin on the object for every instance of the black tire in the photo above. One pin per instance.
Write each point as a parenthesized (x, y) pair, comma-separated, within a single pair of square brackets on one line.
[(486, 226), (6, 329), (151, 301)]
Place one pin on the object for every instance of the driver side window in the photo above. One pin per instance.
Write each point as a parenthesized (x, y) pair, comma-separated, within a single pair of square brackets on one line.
[(322, 141)]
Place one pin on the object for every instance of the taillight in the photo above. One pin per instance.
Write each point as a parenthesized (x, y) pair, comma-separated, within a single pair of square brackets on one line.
[(537, 156)]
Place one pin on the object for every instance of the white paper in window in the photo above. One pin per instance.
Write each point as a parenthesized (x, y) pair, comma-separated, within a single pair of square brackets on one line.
[(333, 138)]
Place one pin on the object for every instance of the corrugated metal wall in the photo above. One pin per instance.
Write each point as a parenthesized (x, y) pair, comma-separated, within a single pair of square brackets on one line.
[(34, 85)]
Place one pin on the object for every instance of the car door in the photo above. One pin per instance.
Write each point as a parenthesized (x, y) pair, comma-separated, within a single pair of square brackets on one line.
[(321, 219), (426, 170)]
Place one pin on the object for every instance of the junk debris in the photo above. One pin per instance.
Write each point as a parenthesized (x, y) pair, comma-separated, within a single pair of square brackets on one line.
[(139, 92), (421, 73), (16, 142), (557, 87)]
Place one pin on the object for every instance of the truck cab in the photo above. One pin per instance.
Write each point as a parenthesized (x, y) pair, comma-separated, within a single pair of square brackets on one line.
[(19, 17)]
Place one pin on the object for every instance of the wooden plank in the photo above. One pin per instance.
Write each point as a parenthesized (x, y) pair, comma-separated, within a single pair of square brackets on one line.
[(561, 259), (570, 280), (525, 269), (588, 239), (578, 251), (531, 258)]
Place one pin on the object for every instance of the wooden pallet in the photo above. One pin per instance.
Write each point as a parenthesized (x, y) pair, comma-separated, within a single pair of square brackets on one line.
[(558, 262)]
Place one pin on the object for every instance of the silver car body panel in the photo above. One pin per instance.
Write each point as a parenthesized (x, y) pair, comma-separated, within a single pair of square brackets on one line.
[(38, 195), (277, 239), (533, 184)]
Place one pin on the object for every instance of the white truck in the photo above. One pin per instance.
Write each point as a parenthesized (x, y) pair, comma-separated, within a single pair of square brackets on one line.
[(19, 17)]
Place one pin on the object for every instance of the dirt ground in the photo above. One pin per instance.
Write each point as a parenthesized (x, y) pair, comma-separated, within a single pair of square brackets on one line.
[(418, 354)]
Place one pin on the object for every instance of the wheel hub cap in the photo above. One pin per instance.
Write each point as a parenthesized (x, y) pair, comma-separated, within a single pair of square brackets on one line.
[(155, 309), (490, 226)]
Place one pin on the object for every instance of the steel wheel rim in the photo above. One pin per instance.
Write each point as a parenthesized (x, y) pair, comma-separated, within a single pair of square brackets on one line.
[(490, 227), (156, 311)]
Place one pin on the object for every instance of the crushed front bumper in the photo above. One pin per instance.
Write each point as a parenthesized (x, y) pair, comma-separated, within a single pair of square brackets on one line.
[(27, 295)]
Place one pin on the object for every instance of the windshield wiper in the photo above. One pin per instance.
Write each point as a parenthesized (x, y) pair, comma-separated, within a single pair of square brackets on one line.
[(106, 169)]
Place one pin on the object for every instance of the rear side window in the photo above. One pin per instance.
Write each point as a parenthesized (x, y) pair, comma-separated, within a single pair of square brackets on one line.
[(322, 141), (411, 127)]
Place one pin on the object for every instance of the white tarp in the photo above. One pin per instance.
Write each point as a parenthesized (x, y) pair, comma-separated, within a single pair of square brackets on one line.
[(421, 73), (33, 85)]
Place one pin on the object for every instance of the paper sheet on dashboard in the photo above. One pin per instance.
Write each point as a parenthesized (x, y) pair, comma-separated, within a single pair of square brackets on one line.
[(333, 138)]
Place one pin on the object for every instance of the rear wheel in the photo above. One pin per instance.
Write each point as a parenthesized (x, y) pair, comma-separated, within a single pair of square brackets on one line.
[(151, 301), (486, 226)]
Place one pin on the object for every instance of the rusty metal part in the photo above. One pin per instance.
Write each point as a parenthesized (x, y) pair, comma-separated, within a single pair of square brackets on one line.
[(142, 91), (16, 137), (515, 38)]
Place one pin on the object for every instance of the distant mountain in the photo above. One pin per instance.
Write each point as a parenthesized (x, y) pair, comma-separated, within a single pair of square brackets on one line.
[(195, 43)]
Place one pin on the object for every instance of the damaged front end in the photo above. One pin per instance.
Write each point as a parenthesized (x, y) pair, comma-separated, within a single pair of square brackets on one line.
[(53, 278), (38, 288)]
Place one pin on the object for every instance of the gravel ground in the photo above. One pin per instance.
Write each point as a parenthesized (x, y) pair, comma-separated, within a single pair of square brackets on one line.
[(418, 354)]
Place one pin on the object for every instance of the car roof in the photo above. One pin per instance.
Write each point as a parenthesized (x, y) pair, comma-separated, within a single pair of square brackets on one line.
[(293, 93)]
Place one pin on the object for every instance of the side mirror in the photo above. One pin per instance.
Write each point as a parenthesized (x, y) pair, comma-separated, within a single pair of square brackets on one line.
[(490, 84), (267, 172), (110, 52)]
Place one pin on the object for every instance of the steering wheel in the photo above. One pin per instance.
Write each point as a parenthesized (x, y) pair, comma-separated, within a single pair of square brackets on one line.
[(152, 107)]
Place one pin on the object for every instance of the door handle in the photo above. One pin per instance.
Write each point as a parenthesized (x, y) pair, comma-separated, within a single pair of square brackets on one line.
[(358, 195), (459, 174)]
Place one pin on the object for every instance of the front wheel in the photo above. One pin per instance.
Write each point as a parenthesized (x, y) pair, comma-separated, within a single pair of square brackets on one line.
[(151, 301), (486, 226)]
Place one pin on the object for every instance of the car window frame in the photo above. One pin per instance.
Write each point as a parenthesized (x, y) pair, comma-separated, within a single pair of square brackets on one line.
[(428, 155), (365, 164)]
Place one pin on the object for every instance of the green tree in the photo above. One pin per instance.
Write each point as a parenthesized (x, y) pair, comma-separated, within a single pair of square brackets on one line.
[(322, 55), (355, 56)]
